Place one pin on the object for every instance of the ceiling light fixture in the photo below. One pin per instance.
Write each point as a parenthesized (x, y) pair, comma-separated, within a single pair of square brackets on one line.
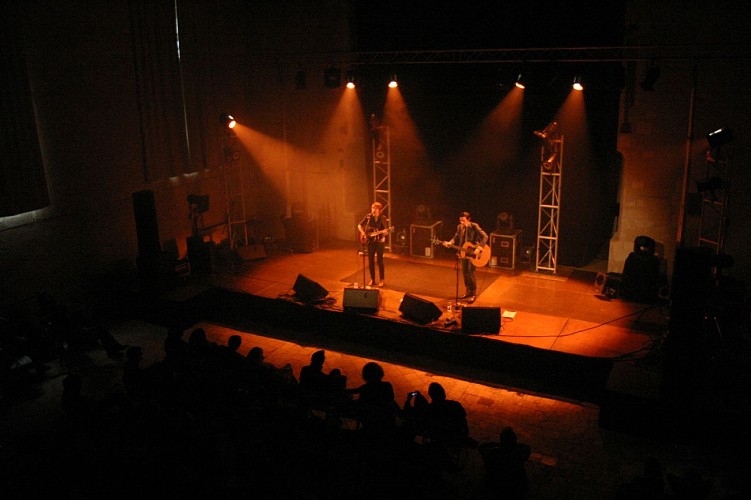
[(577, 85)]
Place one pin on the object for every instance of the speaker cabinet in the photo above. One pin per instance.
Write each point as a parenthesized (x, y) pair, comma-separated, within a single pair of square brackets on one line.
[(608, 284), (481, 320), (421, 239), (147, 229), (199, 254), (640, 279), (361, 300), (419, 310), (504, 247), (307, 290)]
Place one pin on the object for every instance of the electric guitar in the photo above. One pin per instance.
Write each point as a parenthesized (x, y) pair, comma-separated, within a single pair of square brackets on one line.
[(364, 238), (479, 256)]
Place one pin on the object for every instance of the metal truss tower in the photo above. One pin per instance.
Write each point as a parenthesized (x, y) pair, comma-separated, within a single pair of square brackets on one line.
[(382, 172), (551, 170), (234, 192), (715, 191)]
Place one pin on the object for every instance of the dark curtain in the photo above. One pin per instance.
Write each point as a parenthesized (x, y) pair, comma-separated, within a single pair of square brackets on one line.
[(196, 42), (23, 186), (159, 90)]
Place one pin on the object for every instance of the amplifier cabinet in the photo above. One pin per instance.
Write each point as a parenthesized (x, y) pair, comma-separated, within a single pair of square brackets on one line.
[(504, 249), (421, 239)]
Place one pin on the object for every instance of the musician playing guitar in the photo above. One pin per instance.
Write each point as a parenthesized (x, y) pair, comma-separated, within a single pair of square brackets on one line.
[(373, 229), (471, 239)]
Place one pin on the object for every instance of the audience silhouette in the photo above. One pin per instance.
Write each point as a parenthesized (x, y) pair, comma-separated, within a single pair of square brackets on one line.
[(505, 473), (375, 408)]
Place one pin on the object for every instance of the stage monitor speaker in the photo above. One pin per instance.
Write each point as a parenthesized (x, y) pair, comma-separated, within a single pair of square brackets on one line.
[(362, 300), (608, 284), (419, 310), (481, 320), (307, 290)]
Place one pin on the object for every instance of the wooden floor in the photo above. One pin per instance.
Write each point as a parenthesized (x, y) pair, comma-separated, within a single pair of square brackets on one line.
[(557, 312)]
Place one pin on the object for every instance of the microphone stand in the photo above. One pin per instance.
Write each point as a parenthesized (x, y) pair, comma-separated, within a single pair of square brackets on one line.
[(365, 251)]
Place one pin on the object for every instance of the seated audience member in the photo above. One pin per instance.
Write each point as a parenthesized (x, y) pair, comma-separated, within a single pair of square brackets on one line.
[(135, 378), (264, 380), (505, 474), (175, 348), (318, 389), (443, 425), (649, 486), (77, 333), (445, 419), (375, 404)]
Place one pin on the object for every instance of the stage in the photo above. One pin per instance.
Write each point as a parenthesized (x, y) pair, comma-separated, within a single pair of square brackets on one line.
[(558, 334)]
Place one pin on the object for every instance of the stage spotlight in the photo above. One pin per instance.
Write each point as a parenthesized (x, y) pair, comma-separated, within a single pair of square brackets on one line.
[(350, 80), (393, 83), (549, 131), (548, 164), (520, 82), (227, 120), (332, 77), (719, 137), (577, 85)]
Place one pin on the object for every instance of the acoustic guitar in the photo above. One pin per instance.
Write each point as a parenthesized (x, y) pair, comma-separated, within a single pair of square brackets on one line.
[(364, 238), (479, 256)]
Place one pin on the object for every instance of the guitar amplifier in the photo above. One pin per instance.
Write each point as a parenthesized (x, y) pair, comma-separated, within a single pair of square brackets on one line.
[(421, 239), (504, 249)]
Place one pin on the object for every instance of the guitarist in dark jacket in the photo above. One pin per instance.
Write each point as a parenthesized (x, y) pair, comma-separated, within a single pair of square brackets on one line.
[(373, 229), (470, 236)]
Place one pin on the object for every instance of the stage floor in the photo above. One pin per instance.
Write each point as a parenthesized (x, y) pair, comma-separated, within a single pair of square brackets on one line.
[(559, 312)]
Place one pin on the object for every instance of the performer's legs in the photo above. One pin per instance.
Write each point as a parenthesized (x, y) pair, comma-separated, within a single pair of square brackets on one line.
[(371, 260), (470, 282), (379, 255)]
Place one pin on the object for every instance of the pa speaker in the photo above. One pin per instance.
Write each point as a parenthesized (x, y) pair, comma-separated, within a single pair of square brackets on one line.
[(481, 320), (147, 229), (361, 300), (307, 290), (419, 310)]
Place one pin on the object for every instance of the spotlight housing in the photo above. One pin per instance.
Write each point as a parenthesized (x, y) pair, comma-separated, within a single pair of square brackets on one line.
[(520, 82), (549, 132), (577, 85), (227, 120), (719, 137), (393, 83)]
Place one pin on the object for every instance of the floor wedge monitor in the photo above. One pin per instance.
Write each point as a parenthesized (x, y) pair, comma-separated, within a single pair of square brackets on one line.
[(307, 290), (361, 300), (419, 310), (481, 320)]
